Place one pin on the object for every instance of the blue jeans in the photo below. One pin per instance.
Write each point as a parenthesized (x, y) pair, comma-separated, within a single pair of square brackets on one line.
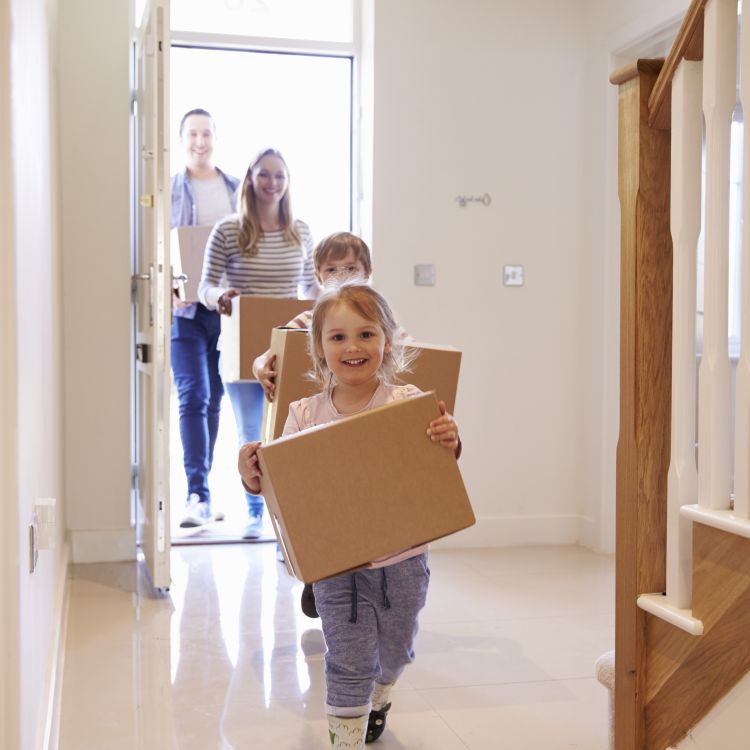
[(247, 404), (195, 366)]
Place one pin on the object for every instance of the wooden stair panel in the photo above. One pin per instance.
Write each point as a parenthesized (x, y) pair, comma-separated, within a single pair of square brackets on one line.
[(687, 675), (721, 571), (667, 648)]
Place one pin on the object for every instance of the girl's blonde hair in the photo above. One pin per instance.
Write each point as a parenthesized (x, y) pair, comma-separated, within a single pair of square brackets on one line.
[(372, 306), (250, 229)]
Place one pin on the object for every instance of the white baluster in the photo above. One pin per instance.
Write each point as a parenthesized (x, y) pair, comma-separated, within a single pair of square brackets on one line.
[(719, 95), (742, 393), (685, 215)]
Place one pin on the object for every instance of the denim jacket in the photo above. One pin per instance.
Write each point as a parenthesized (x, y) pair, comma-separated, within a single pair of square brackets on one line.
[(185, 212)]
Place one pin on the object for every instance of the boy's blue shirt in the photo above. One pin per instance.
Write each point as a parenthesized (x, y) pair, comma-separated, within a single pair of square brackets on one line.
[(184, 212)]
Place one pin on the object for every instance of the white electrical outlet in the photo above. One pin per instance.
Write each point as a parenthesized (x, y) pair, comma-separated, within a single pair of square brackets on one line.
[(513, 275), (45, 515), (425, 274)]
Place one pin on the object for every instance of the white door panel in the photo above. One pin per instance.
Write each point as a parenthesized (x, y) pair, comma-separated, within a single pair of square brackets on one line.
[(152, 283)]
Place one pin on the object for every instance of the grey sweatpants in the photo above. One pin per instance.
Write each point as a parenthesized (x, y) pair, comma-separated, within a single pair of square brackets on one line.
[(385, 603)]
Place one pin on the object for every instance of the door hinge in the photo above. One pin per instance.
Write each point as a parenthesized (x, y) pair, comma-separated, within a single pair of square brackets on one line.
[(147, 200)]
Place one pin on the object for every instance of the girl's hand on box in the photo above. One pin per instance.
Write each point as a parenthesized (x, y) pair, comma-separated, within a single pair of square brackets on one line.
[(249, 468), (266, 375), (224, 303), (444, 430)]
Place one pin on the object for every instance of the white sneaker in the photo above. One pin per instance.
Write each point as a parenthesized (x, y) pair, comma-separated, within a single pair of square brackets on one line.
[(196, 513), (254, 528)]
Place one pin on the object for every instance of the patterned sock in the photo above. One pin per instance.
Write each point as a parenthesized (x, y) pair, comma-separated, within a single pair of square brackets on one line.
[(380, 695), (347, 733)]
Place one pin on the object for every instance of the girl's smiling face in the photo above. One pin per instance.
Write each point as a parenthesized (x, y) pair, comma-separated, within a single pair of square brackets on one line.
[(353, 346)]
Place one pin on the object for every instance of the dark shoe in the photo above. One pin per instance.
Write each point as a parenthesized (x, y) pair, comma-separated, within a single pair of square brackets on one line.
[(376, 723), (307, 600)]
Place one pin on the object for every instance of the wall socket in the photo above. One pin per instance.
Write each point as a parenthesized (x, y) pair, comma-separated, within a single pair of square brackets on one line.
[(425, 274), (513, 275), (45, 513)]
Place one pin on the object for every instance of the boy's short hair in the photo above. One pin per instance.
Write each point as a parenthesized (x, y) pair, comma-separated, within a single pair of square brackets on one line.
[(336, 246)]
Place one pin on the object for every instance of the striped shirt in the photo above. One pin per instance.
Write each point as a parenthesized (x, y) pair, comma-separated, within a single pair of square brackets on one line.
[(278, 270)]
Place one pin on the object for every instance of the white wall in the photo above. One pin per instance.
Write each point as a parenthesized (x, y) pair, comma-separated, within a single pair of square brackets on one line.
[(615, 33), (9, 630), (475, 98), (36, 353), (95, 203)]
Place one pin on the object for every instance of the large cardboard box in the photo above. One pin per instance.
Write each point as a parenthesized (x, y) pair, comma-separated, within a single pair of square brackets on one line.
[(188, 246), (246, 333), (344, 494), (436, 368)]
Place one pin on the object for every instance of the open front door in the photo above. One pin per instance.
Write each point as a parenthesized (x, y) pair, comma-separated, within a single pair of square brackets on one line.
[(152, 284)]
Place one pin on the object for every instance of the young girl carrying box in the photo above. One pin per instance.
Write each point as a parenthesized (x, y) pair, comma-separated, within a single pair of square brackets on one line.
[(369, 617)]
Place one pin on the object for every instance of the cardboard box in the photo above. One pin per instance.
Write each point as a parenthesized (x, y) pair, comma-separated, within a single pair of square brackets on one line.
[(435, 369), (292, 365), (188, 246), (344, 494), (246, 333)]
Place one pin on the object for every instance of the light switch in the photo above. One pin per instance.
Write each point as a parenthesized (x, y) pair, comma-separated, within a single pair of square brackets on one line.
[(425, 274), (513, 275)]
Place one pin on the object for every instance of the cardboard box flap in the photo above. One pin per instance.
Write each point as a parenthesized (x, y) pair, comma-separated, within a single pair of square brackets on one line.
[(188, 246), (292, 366), (350, 492)]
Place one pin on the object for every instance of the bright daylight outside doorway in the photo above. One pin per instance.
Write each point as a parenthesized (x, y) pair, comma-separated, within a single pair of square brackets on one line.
[(301, 105)]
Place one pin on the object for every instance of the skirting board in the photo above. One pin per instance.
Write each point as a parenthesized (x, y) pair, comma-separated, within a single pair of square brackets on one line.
[(106, 545), (500, 531), (49, 736), (515, 531)]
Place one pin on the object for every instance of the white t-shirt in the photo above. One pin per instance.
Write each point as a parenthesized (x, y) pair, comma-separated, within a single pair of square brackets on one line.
[(211, 200)]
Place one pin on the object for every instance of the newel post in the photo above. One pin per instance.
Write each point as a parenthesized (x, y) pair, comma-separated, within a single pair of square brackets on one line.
[(645, 385)]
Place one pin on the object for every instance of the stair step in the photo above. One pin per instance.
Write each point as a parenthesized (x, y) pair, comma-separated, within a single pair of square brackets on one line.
[(724, 520), (657, 605)]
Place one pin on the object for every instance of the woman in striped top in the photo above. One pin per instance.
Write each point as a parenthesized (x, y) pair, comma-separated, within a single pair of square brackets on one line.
[(261, 250)]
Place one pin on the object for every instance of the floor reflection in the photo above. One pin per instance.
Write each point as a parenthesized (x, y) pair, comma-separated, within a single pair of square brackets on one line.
[(227, 660)]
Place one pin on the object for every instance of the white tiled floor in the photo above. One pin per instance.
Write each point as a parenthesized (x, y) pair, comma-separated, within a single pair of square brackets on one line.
[(505, 655)]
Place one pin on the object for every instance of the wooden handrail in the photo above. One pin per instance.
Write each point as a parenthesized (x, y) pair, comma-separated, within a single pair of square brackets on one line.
[(633, 69), (688, 45)]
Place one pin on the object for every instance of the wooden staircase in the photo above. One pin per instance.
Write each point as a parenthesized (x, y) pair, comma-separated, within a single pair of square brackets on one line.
[(683, 555)]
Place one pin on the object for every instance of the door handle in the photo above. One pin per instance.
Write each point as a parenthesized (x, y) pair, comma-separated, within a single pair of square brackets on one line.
[(134, 279)]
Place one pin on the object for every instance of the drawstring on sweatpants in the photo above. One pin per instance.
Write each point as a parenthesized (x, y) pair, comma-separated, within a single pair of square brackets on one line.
[(353, 617), (386, 600), (383, 588)]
